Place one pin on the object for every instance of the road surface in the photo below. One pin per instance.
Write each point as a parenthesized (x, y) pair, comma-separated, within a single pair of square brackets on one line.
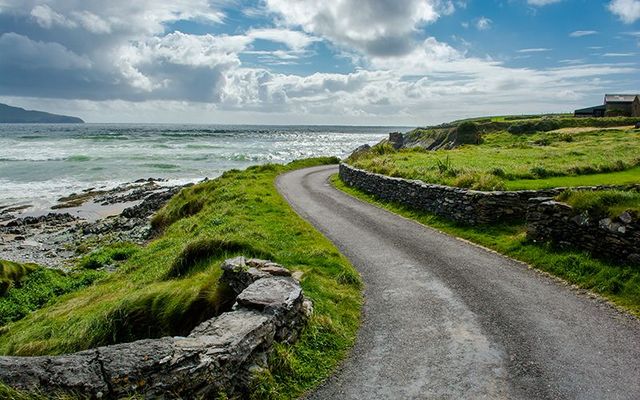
[(444, 319)]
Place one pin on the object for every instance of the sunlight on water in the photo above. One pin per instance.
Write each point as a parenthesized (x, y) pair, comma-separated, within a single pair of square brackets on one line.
[(39, 163)]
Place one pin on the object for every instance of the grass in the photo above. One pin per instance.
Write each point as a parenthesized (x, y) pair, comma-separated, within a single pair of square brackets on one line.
[(607, 203), (509, 161), (619, 284), (11, 273), (169, 286), (38, 288)]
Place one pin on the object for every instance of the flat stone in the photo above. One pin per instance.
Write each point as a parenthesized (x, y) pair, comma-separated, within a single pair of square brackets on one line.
[(272, 295), (276, 270), (236, 264)]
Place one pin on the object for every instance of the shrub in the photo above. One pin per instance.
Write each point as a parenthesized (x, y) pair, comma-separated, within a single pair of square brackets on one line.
[(468, 133)]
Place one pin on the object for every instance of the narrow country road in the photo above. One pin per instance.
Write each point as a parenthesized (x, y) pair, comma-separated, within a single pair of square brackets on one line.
[(444, 319)]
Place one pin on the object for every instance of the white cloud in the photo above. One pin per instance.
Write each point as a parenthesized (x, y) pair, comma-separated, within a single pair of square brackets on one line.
[(294, 40), (117, 56), (534, 50), (539, 3), (376, 27), (627, 10), (576, 34), (46, 17), (483, 23)]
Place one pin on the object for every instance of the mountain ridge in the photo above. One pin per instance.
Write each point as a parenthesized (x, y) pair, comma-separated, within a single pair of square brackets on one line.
[(17, 115)]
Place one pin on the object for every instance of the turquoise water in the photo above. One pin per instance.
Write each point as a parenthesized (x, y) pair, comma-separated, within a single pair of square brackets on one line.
[(40, 163)]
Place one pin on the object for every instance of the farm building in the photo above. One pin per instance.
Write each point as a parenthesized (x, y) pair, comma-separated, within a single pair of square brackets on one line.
[(622, 104), (614, 105)]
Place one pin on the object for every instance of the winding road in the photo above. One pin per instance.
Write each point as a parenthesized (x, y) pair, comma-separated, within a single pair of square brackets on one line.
[(444, 319)]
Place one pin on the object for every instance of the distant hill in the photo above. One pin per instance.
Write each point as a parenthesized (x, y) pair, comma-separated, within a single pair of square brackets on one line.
[(16, 115)]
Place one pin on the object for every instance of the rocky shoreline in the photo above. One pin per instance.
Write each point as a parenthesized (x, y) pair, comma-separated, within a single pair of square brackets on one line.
[(80, 222)]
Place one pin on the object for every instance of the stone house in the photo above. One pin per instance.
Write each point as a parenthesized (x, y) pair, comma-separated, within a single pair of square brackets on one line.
[(614, 105), (622, 104)]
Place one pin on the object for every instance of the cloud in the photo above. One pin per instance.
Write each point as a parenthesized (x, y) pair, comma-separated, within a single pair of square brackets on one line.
[(21, 52), (534, 50), (627, 10), (577, 34), (483, 23), (539, 3), (618, 54), (294, 40), (373, 27), (122, 58)]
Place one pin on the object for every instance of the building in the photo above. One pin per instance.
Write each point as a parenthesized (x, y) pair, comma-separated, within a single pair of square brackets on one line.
[(622, 104), (595, 111), (614, 105)]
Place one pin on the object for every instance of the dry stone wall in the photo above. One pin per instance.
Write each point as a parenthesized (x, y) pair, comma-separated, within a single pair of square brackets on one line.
[(219, 356), (616, 240), (461, 205)]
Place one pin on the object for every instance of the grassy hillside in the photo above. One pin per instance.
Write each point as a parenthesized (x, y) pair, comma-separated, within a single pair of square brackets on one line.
[(169, 286), (504, 160)]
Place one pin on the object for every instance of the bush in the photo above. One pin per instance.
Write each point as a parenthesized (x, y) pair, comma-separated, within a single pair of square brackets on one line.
[(468, 133), (544, 125), (617, 113)]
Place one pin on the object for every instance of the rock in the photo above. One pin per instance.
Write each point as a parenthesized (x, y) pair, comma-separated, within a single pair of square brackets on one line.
[(360, 150), (626, 217), (278, 296), (297, 275), (273, 296)]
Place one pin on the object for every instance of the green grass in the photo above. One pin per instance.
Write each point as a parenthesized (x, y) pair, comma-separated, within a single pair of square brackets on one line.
[(109, 255), (11, 273), (169, 286), (607, 203), (619, 284), (627, 177), (508, 161), (38, 288)]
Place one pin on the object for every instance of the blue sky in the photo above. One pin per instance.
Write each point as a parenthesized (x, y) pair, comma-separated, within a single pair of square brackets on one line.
[(370, 62)]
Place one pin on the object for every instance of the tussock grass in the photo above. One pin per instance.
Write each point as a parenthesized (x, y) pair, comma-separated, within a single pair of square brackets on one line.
[(170, 285), (606, 203), (523, 161), (111, 254), (11, 273), (618, 283)]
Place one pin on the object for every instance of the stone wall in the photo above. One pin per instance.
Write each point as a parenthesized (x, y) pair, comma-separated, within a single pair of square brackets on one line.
[(462, 205), (219, 356), (615, 240)]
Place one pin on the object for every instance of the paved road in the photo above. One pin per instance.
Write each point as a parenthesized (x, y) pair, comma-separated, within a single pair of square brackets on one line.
[(444, 319)]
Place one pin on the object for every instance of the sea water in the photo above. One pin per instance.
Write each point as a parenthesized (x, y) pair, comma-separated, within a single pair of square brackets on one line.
[(40, 163)]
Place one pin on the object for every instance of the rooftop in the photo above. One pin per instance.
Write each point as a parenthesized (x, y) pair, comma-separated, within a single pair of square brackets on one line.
[(619, 98)]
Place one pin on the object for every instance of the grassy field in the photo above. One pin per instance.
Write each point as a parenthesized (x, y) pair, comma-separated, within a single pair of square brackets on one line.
[(169, 286), (518, 161), (619, 284)]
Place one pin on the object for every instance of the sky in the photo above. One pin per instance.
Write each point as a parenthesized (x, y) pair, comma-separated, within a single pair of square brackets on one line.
[(356, 62)]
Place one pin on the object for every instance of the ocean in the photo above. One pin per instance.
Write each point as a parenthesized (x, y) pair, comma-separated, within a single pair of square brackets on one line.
[(40, 163)]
